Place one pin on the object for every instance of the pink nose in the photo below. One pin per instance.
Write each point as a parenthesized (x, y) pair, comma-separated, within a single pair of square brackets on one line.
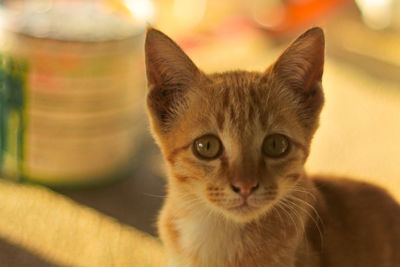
[(244, 188)]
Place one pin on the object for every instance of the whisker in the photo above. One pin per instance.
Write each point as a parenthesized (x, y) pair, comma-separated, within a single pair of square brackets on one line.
[(317, 221), (284, 205), (292, 206), (301, 189), (275, 208), (152, 195), (191, 203), (303, 223)]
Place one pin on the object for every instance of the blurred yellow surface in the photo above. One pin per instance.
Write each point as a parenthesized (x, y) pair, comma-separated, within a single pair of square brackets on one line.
[(68, 234)]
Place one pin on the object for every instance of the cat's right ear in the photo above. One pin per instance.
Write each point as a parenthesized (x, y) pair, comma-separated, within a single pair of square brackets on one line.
[(300, 67), (170, 73)]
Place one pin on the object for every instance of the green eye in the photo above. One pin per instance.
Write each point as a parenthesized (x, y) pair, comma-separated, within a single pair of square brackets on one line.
[(207, 147), (275, 145)]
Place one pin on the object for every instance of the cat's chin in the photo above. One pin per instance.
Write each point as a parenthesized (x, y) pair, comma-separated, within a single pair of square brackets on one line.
[(243, 209), (244, 213)]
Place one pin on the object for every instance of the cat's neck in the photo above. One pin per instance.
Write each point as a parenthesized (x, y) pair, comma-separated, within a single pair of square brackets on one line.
[(215, 240)]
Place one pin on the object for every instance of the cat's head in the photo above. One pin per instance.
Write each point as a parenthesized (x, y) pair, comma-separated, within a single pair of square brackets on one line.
[(237, 141)]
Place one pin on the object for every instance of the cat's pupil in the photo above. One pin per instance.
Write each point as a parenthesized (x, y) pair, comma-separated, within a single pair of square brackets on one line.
[(207, 147), (275, 145)]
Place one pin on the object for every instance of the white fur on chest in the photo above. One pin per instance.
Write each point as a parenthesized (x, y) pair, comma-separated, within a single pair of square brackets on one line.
[(212, 238)]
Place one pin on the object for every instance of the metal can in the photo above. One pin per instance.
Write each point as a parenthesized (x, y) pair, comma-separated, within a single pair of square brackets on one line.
[(71, 110)]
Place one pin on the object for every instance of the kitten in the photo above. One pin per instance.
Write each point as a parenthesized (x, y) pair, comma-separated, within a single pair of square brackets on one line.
[(235, 144)]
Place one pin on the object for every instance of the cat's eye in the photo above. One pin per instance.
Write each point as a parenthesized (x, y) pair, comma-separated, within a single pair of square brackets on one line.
[(275, 145), (207, 147)]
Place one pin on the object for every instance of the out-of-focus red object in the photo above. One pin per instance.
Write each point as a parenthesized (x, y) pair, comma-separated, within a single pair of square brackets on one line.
[(298, 14)]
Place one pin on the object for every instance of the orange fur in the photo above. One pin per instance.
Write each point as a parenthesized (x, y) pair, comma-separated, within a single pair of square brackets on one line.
[(284, 218)]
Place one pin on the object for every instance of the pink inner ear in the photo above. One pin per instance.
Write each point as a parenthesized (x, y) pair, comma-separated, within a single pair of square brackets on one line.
[(166, 62), (170, 74), (301, 64), (299, 69)]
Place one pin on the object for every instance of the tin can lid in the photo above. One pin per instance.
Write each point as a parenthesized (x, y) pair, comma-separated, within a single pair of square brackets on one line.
[(87, 21)]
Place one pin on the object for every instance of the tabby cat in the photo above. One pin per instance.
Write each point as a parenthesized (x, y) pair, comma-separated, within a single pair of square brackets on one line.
[(235, 144)]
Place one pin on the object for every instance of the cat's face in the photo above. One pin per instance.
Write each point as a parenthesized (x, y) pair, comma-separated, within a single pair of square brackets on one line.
[(235, 142)]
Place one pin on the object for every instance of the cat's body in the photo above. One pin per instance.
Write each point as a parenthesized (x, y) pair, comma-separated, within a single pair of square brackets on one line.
[(236, 144), (361, 224), (354, 225)]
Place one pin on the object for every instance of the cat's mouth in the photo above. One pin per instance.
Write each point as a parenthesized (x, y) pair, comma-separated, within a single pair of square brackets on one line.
[(243, 208)]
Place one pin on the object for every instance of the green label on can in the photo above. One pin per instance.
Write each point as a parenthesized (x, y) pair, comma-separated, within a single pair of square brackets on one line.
[(12, 81)]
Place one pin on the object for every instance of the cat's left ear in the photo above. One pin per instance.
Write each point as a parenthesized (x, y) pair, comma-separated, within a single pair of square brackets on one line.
[(300, 67), (166, 63), (170, 74)]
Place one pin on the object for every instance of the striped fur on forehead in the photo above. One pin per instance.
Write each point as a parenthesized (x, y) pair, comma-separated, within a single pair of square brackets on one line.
[(242, 100), (235, 103)]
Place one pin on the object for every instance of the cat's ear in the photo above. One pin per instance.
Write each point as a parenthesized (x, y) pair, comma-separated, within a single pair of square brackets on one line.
[(170, 73), (300, 68)]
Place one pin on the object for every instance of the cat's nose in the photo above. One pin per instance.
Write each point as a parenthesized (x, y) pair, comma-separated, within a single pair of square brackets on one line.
[(244, 188)]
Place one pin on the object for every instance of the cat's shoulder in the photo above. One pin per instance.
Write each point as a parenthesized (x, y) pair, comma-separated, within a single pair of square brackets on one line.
[(323, 182), (339, 189), (351, 210)]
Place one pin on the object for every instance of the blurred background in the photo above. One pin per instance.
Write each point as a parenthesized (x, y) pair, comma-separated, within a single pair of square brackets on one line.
[(72, 90)]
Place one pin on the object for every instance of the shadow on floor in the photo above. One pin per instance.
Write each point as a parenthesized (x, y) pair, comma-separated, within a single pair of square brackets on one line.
[(134, 201), (15, 256)]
